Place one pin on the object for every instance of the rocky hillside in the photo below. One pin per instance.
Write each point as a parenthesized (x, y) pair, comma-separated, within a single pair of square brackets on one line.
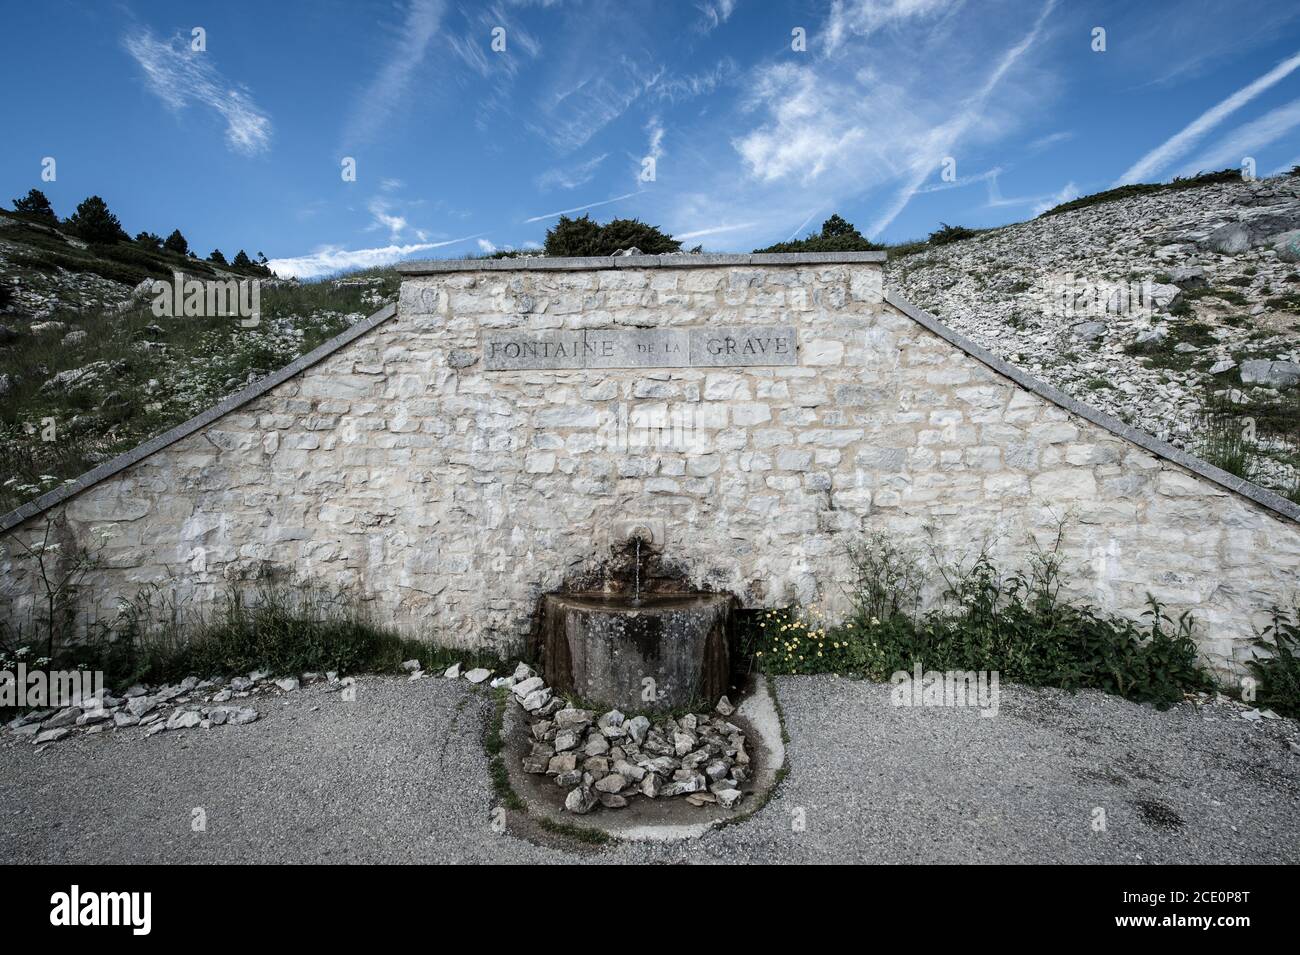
[(1177, 311), (87, 370)]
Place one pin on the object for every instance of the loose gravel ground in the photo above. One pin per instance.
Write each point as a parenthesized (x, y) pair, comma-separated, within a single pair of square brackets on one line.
[(400, 775)]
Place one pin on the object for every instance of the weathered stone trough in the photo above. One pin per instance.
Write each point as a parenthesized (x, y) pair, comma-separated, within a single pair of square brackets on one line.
[(655, 652)]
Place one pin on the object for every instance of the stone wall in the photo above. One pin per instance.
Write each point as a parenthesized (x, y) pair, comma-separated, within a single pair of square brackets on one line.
[(450, 496)]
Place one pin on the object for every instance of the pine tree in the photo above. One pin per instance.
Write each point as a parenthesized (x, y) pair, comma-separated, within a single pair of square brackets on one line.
[(36, 207), (176, 243), (95, 223), (242, 260), (217, 257)]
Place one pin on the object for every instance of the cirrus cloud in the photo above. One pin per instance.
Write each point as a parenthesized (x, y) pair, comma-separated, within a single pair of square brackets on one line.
[(181, 77)]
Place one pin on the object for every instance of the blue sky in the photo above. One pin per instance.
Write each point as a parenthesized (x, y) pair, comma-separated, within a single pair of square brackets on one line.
[(460, 148)]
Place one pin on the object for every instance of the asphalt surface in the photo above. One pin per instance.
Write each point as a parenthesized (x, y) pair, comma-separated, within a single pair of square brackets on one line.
[(401, 775)]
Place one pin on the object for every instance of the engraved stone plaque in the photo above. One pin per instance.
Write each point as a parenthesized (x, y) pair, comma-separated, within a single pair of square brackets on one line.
[(700, 347)]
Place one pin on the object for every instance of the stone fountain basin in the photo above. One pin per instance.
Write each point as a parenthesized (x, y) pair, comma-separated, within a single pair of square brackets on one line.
[(659, 653)]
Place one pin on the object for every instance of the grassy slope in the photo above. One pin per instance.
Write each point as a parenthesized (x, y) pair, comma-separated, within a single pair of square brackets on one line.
[(147, 373)]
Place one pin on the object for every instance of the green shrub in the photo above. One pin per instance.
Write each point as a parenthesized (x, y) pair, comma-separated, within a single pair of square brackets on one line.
[(584, 236), (1278, 671), (1019, 625), (950, 233)]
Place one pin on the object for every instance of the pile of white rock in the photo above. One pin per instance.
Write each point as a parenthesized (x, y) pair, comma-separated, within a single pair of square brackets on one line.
[(610, 760), (192, 703)]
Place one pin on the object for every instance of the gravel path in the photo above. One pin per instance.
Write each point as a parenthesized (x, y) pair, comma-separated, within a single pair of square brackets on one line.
[(400, 775)]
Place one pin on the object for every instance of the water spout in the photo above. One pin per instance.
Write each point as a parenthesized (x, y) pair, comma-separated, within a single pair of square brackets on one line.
[(636, 578)]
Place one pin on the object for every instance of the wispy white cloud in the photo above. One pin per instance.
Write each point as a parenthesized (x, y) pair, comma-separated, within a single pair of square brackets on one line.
[(590, 205), (944, 138), (677, 89), (995, 199), (1068, 191), (495, 46), (1286, 166), (830, 132), (386, 90), (473, 46), (181, 77), (1247, 139), (716, 13), (486, 247), (1051, 139), (600, 94), (571, 177), (1158, 159), (712, 230), (803, 225), (331, 259), (989, 175), (655, 138), (384, 217), (862, 18)]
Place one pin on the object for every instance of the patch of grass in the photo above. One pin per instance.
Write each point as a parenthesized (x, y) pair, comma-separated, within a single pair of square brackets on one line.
[(283, 629), (1225, 443), (1231, 296), (494, 743), (1290, 302), (1164, 353), (1274, 418), (900, 250), (591, 836)]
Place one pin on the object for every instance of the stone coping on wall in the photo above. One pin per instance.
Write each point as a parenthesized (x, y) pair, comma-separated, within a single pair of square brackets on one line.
[(675, 260), (1261, 496)]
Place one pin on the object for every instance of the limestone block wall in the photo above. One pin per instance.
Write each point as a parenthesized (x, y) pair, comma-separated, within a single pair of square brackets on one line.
[(449, 496)]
